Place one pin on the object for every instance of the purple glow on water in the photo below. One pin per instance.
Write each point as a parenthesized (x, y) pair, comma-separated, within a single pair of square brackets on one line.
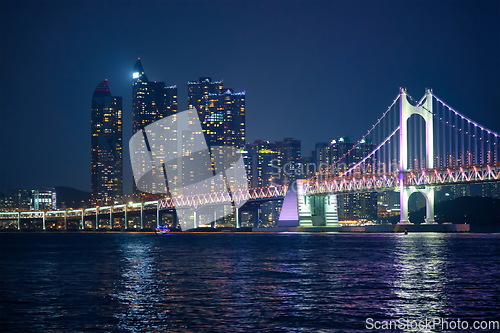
[(243, 282)]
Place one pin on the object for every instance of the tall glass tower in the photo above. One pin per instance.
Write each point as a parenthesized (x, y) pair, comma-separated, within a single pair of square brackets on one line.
[(151, 101), (106, 147)]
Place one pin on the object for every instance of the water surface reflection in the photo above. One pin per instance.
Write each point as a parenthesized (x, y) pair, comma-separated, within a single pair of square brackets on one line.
[(243, 282)]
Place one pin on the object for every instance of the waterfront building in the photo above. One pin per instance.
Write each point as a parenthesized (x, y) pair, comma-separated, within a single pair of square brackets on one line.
[(273, 163), (460, 190), (15, 199), (289, 156), (44, 199), (41, 199), (337, 158), (338, 150), (221, 112), (358, 206), (106, 147), (151, 101), (322, 157), (262, 167), (387, 205), (6, 202), (306, 167), (491, 190)]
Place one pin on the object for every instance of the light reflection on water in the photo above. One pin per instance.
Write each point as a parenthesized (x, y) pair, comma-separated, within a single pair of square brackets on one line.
[(243, 282), (420, 276), (140, 288)]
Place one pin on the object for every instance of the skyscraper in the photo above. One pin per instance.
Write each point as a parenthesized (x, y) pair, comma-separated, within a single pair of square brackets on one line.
[(273, 163), (342, 153), (106, 147), (261, 169), (289, 155), (151, 101), (221, 112)]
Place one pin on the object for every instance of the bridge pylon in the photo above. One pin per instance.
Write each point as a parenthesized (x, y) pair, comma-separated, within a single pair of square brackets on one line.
[(317, 210), (406, 110)]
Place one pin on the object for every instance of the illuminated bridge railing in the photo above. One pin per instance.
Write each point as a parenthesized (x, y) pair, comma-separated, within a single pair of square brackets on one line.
[(237, 197), (193, 201), (454, 175), (390, 181)]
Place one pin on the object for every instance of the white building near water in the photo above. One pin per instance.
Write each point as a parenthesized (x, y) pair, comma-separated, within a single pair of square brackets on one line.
[(43, 199)]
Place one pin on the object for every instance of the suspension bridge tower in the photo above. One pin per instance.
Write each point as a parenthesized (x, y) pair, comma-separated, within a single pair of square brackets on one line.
[(406, 110)]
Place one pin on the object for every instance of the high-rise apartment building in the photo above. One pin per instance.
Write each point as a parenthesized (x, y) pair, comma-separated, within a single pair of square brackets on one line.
[(106, 147), (263, 166), (273, 163), (338, 158), (151, 101), (289, 156), (221, 112), (491, 190)]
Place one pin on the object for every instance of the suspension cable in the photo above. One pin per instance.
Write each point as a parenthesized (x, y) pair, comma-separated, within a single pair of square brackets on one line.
[(364, 136)]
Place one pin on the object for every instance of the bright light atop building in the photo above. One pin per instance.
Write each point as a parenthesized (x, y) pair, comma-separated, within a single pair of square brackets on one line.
[(333, 142), (341, 139), (135, 75)]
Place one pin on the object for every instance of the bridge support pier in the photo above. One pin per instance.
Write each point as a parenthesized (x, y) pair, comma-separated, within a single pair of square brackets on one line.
[(82, 226), (142, 216), (304, 205), (237, 217), (157, 216), (331, 215), (428, 193), (318, 210), (126, 216)]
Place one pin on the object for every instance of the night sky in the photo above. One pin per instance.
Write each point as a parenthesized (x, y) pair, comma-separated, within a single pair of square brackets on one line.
[(312, 70)]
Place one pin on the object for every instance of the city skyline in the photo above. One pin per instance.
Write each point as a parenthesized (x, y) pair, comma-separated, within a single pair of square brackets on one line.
[(327, 69)]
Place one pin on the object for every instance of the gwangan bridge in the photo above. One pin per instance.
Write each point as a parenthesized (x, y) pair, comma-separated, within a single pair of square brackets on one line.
[(420, 146)]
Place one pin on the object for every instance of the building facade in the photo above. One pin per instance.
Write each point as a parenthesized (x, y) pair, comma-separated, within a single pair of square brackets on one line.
[(262, 164), (106, 147), (151, 101), (289, 156), (44, 199), (331, 160), (221, 112)]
